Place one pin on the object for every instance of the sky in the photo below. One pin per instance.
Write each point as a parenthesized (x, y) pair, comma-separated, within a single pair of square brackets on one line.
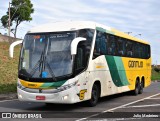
[(136, 16)]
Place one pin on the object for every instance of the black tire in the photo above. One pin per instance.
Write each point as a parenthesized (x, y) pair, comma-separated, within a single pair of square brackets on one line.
[(141, 87), (94, 96), (136, 90)]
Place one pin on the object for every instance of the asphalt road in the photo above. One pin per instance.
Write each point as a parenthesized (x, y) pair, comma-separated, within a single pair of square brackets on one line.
[(116, 107)]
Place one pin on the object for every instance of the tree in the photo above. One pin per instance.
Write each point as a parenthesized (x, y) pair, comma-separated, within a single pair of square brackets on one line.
[(20, 11)]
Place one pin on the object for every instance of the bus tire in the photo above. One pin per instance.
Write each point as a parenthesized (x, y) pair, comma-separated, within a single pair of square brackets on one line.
[(94, 96), (136, 90), (141, 87)]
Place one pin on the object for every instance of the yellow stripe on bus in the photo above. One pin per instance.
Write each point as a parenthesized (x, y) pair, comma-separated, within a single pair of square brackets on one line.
[(100, 66), (34, 85)]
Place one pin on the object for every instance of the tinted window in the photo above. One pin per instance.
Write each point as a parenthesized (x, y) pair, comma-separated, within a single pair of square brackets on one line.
[(129, 49), (107, 44), (83, 49), (120, 47), (100, 44), (112, 50)]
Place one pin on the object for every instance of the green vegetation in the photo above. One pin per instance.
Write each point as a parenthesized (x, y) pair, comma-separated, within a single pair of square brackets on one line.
[(155, 75), (8, 68), (8, 88)]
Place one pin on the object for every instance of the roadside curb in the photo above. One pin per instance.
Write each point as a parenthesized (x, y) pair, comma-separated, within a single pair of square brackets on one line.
[(9, 96), (156, 81)]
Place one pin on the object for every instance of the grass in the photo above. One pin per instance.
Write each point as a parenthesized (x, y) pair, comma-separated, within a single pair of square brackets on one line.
[(8, 68), (155, 75), (8, 88)]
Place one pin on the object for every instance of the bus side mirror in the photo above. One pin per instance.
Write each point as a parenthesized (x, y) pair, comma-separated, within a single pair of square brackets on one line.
[(11, 48), (74, 44)]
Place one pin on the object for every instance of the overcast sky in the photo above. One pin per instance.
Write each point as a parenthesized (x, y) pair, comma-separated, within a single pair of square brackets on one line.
[(136, 16)]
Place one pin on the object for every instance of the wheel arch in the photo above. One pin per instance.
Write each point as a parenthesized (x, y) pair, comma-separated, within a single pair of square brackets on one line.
[(97, 82), (137, 80)]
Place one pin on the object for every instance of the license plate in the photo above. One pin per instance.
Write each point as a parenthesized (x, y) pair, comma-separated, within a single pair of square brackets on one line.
[(40, 97)]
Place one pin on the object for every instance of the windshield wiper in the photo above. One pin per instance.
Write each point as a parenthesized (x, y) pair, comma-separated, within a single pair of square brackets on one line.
[(51, 72), (42, 62), (36, 65)]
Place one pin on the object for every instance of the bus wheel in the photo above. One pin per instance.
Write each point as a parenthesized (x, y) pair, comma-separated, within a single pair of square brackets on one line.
[(94, 96), (141, 87), (137, 88)]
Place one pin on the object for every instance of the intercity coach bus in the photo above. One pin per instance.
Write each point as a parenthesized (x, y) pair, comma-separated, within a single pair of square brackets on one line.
[(70, 62)]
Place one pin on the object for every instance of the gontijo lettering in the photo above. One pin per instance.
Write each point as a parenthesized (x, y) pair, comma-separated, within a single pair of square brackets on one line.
[(135, 64)]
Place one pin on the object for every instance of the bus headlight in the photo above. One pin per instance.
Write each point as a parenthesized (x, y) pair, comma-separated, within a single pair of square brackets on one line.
[(59, 89)]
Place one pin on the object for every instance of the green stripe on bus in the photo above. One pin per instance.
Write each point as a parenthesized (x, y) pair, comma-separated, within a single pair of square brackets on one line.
[(117, 70), (53, 84), (104, 30), (121, 70)]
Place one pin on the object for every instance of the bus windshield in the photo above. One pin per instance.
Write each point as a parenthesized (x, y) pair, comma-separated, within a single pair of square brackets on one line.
[(46, 55)]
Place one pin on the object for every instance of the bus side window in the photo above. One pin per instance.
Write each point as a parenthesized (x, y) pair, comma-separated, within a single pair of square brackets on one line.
[(148, 52), (80, 59), (120, 47), (83, 50), (129, 48), (136, 47), (143, 51), (112, 45), (103, 44), (100, 45)]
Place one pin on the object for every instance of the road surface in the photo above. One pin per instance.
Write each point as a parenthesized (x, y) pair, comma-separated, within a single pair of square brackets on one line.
[(112, 107)]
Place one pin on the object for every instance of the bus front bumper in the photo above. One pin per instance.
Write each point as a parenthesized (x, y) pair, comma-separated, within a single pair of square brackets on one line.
[(68, 96)]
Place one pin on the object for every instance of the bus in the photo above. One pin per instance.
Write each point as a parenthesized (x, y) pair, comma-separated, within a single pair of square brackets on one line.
[(74, 61)]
